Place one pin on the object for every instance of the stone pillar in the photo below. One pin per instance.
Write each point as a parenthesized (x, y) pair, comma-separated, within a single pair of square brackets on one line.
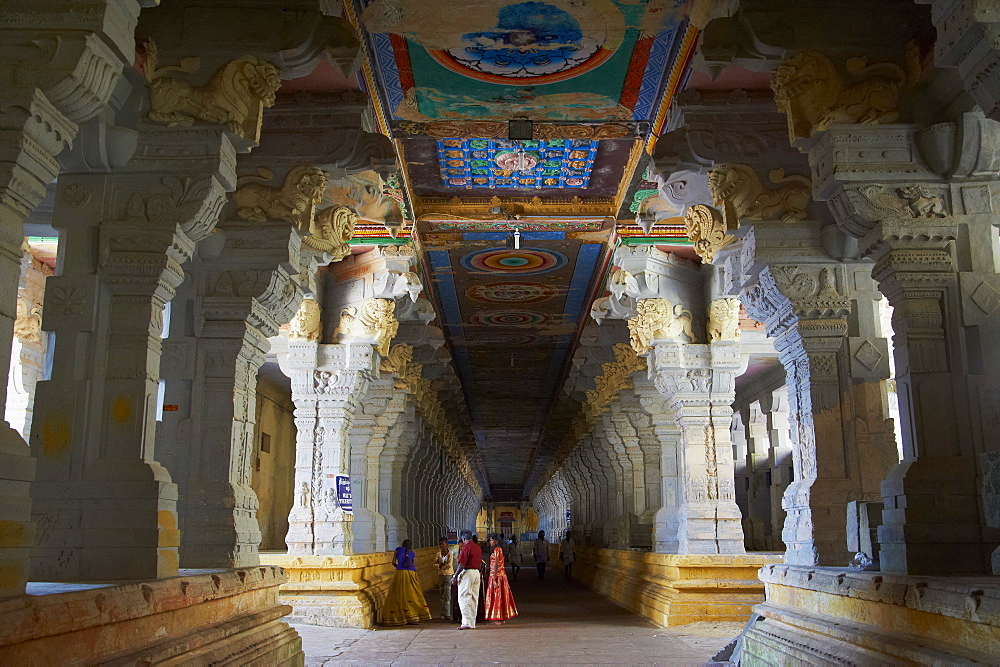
[(699, 383), (28, 354), (43, 101), (243, 287), (107, 507), (775, 407)]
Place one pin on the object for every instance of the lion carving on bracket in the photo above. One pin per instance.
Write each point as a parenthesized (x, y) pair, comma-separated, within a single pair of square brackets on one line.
[(235, 96), (738, 193), (294, 201), (331, 230), (810, 90)]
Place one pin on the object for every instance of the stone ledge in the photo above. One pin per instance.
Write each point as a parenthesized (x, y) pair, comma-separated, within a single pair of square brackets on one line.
[(675, 589), (223, 617), (343, 591), (824, 615)]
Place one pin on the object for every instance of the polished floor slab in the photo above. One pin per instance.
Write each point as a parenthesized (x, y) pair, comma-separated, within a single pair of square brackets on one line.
[(560, 623)]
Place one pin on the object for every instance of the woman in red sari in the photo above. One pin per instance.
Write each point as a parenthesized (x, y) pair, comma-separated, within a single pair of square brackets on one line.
[(499, 601)]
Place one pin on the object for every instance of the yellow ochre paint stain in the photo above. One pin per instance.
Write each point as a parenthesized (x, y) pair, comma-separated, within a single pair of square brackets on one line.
[(121, 409), (56, 433)]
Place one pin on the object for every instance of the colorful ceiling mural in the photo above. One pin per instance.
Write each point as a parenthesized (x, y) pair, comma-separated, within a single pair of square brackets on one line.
[(493, 163), (512, 317), (496, 59)]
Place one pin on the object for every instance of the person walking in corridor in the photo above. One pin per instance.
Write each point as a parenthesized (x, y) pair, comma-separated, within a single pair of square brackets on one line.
[(514, 557), (499, 600), (540, 550), (405, 603), (567, 554), (446, 568), (470, 557)]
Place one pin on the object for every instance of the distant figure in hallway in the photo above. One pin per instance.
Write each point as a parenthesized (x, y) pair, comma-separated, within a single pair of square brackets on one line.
[(405, 601), (567, 554), (470, 557), (499, 600), (446, 568), (514, 558), (540, 550)]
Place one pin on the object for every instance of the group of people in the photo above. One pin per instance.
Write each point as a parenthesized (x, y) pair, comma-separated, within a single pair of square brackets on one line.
[(471, 587)]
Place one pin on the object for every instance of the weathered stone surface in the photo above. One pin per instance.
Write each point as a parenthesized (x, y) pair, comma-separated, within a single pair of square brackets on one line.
[(673, 589), (229, 617), (343, 591)]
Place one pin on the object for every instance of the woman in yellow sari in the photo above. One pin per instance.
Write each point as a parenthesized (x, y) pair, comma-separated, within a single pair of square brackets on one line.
[(405, 603)]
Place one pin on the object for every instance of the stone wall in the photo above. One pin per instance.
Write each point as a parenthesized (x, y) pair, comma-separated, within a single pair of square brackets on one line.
[(831, 616), (220, 617), (274, 462), (343, 591), (671, 589)]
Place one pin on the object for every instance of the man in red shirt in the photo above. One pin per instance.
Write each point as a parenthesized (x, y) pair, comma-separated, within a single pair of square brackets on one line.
[(470, 556)]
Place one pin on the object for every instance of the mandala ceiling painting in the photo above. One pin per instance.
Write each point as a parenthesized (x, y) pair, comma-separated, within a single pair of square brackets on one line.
[(545, 59)]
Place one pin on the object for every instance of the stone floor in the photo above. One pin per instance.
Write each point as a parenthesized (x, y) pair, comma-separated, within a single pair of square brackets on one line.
[(560, 623)]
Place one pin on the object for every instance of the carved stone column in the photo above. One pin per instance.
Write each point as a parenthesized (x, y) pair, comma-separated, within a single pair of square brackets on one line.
[(698, 381), (125, 235), (47, 92), (929, 223), (242, 288)]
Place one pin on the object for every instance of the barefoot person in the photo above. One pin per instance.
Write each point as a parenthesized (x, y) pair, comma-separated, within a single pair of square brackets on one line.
[(405, 601), (446, 569), (470, 557), (540, 550), (499, 600)]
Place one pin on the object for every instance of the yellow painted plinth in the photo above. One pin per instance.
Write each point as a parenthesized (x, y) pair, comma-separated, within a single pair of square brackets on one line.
[(671, 589), (218, 617), (343, 591), (834, 616)]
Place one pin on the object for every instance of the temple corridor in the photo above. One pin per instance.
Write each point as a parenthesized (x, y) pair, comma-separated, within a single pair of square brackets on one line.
[(560, 623), (704, 294)]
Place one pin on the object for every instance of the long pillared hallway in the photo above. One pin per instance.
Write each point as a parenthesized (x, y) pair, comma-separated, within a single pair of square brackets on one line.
[(705, 291), (559, 623)]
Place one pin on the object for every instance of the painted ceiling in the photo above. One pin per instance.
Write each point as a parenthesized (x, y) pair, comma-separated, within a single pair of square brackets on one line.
[(595, 78)]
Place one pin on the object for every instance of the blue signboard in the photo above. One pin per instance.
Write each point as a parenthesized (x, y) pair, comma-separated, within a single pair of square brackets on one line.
[(567, 516), (344, 493)]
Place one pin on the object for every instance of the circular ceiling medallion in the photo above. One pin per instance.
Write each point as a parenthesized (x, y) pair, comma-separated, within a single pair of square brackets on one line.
[(509, 318), (512, 161), (500, 337), (523, 262), (511, 292), (533, 43)]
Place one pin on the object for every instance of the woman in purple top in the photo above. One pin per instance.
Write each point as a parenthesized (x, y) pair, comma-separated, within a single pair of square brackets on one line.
[(405, 601)]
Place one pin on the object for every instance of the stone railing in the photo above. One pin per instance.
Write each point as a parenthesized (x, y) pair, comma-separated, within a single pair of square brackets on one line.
[(827, 615), (226, 617), (671, 589), (343, 591)]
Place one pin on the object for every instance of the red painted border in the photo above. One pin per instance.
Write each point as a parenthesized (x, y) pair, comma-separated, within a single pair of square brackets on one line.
[(635, 73), (400, 50)]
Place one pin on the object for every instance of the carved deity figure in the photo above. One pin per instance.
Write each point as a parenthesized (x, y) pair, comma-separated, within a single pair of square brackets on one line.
[(707, 231), (724, 320), (307, 323), (235, 96), (813, 94), (29, 321), (331, 230), (376, 323), (738, 193), (658, 319), (294, 201)]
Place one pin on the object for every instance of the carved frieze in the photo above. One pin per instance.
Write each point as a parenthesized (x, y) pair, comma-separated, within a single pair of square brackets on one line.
[(814, 94), (330, 231), (235, 96), (656, 319), (375, 323), (724, 320), (294, 201), (737, 191), (707, 231), (307, 323)]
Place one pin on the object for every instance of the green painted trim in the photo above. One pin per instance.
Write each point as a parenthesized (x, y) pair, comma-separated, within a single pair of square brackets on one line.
[(652, 240), (43, 239)]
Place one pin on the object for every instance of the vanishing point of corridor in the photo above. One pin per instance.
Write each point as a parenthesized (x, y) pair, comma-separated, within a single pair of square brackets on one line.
[(560, 622)]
